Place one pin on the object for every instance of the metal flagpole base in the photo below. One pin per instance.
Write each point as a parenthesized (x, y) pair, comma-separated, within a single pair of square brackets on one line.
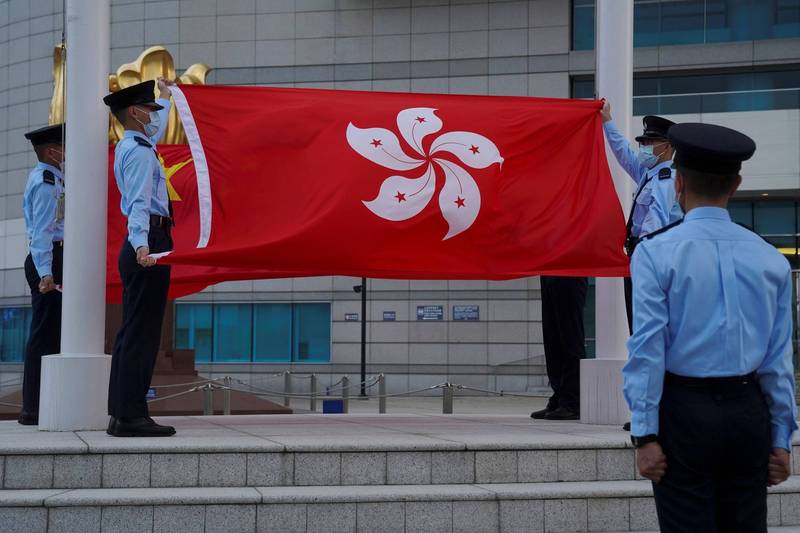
[(602, 400), (74, 392)]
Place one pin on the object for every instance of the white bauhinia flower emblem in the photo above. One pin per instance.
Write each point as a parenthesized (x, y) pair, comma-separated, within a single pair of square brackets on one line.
[(401, 198)]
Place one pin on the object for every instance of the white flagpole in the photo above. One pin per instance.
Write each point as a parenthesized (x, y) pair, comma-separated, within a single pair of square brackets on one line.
[(602, 401), (74, 385)]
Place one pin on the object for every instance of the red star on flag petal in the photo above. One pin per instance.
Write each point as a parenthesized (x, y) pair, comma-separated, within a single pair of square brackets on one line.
[(376, 142), (459, 202), (420, 119), (401, 197), (474, 149)]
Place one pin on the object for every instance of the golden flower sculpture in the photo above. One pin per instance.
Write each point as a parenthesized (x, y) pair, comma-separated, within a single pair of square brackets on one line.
[(153, 63)]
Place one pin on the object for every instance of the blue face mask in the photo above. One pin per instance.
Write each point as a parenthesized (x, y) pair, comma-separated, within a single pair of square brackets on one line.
[(646, 156), (151, 128)]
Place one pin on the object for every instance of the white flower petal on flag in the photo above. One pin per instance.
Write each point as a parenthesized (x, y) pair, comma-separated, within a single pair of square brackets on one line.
[(473, 150), (402, 198), (380, 146), (416, 123), (460, 199)]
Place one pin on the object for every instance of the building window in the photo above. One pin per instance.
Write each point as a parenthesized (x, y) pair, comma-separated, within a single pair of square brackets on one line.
[(777, 221), (260, 332), (750, 90), (14, 330), (670, 22)]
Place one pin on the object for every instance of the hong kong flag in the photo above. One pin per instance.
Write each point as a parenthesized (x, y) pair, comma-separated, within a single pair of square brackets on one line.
[(302, 182)]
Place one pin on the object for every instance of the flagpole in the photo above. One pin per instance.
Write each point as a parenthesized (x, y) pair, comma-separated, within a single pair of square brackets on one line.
[(74, 384), (602, 401)]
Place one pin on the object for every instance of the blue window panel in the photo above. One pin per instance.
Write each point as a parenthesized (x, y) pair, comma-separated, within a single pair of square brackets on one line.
[(741, 212), (675, 22), (193, 330), (775, 218), (583, 25), (272, 332), (16, 325), (232, 333), (312, 333)]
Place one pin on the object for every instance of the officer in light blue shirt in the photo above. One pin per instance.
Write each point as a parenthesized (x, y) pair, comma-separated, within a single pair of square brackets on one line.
[(145, 203), (709, 379), (654, 203), (43, 208)]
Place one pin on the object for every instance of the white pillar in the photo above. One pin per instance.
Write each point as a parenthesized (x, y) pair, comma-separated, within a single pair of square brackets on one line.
[(602, 401), (74, 386)]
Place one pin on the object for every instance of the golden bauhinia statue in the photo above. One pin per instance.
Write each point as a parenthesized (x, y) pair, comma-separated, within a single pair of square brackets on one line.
[(153, 63)]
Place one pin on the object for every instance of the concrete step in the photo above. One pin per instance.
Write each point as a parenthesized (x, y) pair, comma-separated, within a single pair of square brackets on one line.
[(316, 450), (507, 508)]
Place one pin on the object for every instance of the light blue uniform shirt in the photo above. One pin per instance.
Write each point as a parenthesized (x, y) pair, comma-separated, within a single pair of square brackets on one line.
[(656, 204), (43, 221), (710, 299), (141, 180)]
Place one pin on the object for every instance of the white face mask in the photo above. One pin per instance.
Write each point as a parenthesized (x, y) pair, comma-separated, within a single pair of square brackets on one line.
[(152, 127)]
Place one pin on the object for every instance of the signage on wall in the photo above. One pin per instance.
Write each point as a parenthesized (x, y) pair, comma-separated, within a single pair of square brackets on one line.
[(351, 317), (390, 315), (430, 312), (466, 312)]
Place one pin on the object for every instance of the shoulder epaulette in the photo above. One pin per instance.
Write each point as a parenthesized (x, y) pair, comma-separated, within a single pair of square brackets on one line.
[(751, 230), (665, 173), (48, 177), (662, 230), (143, 142)]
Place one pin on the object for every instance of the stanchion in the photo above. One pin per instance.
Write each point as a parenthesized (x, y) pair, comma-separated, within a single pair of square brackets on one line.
[(345, 395), (447, 399), (382, 394), (287, 387), (226, 396), (313, 406), (208, 400)]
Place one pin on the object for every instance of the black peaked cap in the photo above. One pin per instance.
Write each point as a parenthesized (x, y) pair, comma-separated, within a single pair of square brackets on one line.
[(48, 135), (654, 127), (710, 148), (139, 94)]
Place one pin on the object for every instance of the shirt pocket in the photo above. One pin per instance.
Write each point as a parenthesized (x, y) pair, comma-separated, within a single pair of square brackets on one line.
[(645, 198)]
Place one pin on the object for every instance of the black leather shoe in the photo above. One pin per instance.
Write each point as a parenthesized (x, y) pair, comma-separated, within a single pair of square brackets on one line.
[(160, 425), (112, 423), (28, 419), (541, 414), (626, 426), (140, 427), (562, 413)]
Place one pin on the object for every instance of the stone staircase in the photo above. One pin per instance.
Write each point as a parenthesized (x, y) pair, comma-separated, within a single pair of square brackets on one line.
[(313, 473)]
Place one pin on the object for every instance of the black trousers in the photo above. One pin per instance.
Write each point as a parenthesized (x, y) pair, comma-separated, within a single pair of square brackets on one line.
[(144, 298), (563, 299), (45, 334), (717, 441)]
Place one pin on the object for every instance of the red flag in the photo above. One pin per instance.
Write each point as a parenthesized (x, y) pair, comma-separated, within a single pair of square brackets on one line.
[(292, 182)]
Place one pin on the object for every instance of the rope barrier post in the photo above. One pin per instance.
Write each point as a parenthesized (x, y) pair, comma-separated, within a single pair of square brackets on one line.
[(447, 399), (313, 406), (382, 394), (226, 396), (287, 387), (208, 403), (345, 395)]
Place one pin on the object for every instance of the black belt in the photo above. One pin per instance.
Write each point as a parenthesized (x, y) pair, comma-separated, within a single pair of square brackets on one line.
[(161, 222), (715, 383), (58, 244)]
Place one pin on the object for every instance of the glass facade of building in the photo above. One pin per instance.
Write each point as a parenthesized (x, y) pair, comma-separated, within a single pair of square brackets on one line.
[(15, 324), (671, 22), (255, 332), (743, 90)]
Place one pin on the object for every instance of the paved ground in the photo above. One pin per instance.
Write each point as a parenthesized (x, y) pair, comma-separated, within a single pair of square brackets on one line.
[(462, 405)]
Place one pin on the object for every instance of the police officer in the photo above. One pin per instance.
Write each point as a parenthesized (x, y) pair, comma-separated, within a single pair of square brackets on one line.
[(709, 379), (145, 203), (563, 300), (43, 208), (654, 204)]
